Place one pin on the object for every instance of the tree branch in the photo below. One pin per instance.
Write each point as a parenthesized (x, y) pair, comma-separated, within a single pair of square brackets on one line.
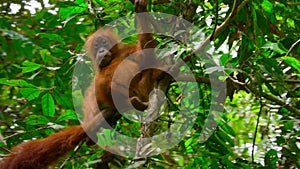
[(216, 21), (235, 10), (293, 3), (251, 89), (256, 129), (293, 47), (30, 131), (274, 99), (225, 24)]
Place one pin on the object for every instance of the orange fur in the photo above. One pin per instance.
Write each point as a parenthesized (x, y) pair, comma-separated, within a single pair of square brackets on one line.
[(41, 153)]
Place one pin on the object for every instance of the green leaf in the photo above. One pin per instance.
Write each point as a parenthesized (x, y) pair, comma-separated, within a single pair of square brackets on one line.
[(30, 93), (295, 63), (16, 83), (45, 54), (63, 99), (271, 88), (107, 136), (48, 105), (101, 140), (263, 23), (223, 136), (188, 142), (267, 6), (228, 129), (68, 115), (34, 120), (101, 3), (271, 158), (228, 163), (289, 125), (224, 59), (255, 20), (275, 47), (52, 37), (30, 66), (290, 23), (82, 3), (71, 10)]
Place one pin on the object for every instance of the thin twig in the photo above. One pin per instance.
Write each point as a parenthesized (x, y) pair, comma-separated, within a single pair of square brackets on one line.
[(293, 3), (5, 149), (24, 132), (75, 151), (256, 129), (284, 80), (212, 37), (293, 47)]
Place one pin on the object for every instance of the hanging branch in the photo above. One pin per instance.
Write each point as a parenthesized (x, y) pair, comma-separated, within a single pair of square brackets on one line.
[(235, 10), (216, 21), (256, 129), (144, 146)]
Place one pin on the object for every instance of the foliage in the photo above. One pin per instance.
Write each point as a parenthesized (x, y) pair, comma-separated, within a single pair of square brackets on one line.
[(258, 50)]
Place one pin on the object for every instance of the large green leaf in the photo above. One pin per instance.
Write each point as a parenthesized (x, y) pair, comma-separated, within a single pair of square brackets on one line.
[(35, 120), (78, 8), (295, 63), (68, 115), (30, 93), (30, 66), (17, 83), (48, 105)]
